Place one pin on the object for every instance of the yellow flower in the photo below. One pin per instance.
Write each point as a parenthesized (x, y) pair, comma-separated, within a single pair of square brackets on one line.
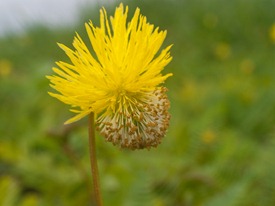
[(208, 136), (121, 84), (5, 67), (222, 51), (272, 33), (247, 66)]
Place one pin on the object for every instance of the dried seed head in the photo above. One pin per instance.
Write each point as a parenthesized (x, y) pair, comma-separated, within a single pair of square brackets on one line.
[(142, 123)]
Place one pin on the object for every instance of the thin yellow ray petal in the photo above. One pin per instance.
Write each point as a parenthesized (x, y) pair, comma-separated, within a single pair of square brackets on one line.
[(78, 117)]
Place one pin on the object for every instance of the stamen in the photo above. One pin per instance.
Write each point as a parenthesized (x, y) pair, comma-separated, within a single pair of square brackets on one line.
[(139, 123)]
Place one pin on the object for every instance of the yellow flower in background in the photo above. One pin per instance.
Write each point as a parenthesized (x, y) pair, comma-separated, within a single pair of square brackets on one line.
[(208, 136), (5, 67), (247, 66), (222, 51), (121, 84), (272, 33)]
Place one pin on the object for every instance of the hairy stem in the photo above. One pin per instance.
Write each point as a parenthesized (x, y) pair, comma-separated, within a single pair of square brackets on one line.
[(94, 168)]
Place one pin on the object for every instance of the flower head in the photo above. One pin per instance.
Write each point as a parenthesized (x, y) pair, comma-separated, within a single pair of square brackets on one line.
[(120, 83)]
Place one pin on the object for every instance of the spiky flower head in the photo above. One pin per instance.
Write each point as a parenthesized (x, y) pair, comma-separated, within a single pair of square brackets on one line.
[(121, 84)]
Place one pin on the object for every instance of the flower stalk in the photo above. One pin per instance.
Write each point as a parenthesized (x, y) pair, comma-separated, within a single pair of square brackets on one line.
[(93, 161)]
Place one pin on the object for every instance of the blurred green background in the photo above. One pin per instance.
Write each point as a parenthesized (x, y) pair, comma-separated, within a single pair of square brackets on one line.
[(220, 147)]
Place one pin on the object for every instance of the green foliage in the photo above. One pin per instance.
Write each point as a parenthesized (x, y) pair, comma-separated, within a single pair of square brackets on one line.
[(220, 146)]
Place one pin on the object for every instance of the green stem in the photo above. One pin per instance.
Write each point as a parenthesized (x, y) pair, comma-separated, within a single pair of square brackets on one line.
[(93, 161)]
